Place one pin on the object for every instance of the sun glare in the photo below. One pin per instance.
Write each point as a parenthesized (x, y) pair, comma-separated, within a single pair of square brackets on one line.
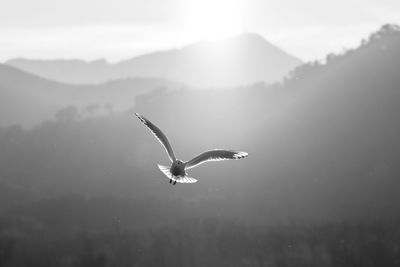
[(213, 19)]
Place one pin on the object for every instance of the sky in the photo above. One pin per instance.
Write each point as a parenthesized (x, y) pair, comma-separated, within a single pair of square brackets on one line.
[(120, 29)]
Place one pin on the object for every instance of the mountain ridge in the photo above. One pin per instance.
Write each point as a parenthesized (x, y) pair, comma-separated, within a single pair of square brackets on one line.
[(27, 99), (239, 60)]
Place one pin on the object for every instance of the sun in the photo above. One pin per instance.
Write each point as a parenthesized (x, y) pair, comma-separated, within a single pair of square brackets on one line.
[(213, 19)]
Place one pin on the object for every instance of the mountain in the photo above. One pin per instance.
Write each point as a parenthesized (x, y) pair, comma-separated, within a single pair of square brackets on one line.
[(239, 60), (24, 97), (66, 71), (27, 99), (324, 145)]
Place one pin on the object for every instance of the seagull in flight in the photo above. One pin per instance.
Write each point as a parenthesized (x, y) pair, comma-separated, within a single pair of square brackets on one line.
[(177, 172)]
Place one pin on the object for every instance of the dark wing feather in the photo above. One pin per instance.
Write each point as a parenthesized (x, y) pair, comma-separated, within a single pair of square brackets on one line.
[(159, 135), (215, 155)]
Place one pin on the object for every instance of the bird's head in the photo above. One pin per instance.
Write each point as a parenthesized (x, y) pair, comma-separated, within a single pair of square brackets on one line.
[(179, 162)]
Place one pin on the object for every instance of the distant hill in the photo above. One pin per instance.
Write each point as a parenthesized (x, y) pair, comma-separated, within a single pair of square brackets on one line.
[(240, 60), (27, 99), (24, 98), (66, 71)]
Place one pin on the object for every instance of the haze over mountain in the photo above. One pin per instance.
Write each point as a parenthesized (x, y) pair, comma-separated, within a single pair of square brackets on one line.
[(243, 59), (27, 99), (324, 145)]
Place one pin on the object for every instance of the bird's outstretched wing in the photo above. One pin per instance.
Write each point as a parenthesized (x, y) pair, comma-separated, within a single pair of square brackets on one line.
[(159, 135), (215, 155)]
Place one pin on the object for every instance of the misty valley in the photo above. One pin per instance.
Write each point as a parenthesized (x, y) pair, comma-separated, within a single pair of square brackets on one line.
[(80, 186)]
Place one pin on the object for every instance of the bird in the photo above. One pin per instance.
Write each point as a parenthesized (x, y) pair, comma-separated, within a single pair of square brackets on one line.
[(177, 171)]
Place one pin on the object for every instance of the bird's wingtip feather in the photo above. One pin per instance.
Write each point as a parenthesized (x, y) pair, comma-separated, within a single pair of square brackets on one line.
[(240, 155), (140, 117)]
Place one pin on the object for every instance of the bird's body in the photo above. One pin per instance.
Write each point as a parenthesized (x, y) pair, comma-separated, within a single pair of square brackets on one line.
[(178, 168), (177, 171)]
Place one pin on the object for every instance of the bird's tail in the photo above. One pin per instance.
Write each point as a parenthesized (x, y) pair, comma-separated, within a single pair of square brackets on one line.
[(184, 179)]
